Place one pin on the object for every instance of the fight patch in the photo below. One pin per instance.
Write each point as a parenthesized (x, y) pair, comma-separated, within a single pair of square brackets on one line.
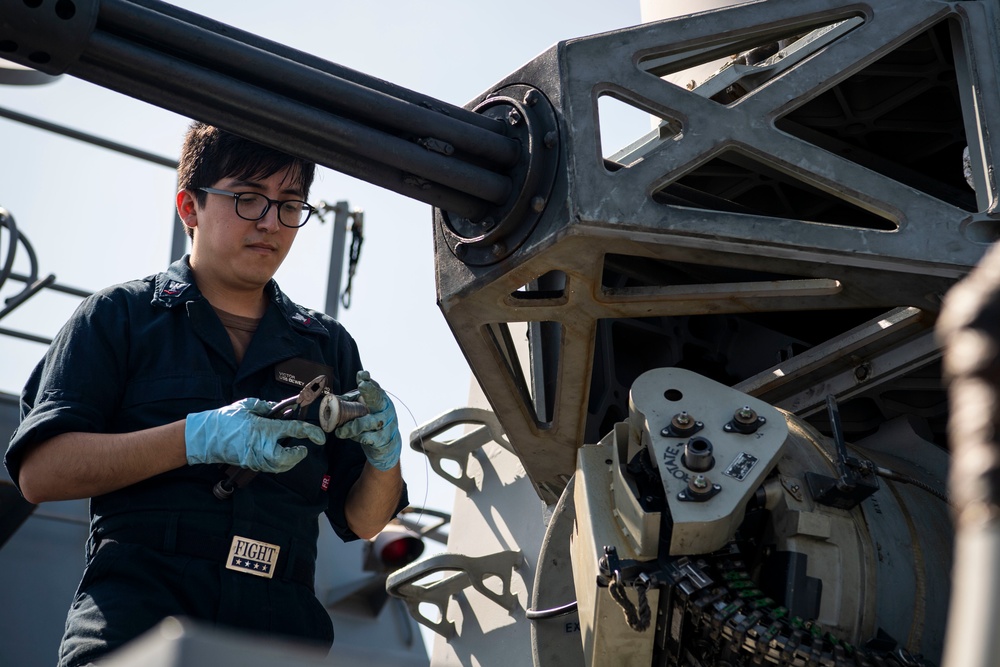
[(252, 557)]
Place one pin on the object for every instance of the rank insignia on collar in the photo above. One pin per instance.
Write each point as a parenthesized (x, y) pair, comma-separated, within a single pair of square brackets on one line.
[(252, 557), (173, 289), (302, 318)]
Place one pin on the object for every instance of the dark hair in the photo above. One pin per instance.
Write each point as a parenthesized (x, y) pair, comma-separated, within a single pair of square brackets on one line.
[(210, 154)]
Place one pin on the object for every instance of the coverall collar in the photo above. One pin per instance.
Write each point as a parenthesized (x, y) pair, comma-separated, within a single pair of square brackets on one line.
[(177, 286)]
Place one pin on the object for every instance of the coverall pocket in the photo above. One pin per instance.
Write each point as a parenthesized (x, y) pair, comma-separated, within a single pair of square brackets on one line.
[(171, 397)]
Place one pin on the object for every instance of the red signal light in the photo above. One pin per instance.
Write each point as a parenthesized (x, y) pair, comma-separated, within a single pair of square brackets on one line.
[(393, 548)]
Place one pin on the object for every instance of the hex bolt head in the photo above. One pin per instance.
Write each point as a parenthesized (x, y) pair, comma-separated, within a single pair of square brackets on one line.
[(551, 139), (745, 415), (698, 484), (682, 422), (531, 98), (514, 117), (538, 204)]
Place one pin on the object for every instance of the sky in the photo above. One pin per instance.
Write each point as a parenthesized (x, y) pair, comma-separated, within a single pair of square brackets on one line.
[(95, 218)]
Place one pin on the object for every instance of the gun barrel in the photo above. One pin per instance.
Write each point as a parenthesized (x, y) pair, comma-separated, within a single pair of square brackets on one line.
[(406, 142)]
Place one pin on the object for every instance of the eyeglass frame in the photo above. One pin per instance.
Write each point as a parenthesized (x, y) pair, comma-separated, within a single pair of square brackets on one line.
[(270, 202)]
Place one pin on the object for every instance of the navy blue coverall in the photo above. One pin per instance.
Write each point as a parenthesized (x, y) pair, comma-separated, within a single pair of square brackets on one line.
[(147, 353)]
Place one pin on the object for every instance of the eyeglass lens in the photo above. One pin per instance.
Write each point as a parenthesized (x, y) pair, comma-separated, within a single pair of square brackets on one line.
[(252, 206)]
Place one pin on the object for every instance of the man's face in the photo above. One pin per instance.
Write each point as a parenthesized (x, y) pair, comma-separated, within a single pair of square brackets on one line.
[(233, 253)]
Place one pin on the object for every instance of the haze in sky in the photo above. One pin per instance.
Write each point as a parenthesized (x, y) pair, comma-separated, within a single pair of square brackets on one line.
[(96, 218)]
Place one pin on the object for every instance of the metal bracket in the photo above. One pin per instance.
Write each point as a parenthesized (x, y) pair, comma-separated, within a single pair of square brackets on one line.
[(530, 120), (471, 571), (423, 440), (856, 481)]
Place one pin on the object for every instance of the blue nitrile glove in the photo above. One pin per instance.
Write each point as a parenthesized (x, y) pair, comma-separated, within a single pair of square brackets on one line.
[(377, 431), (240, 434)]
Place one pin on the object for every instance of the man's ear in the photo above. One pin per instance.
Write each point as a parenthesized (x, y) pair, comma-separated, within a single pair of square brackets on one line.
[(187, 209)]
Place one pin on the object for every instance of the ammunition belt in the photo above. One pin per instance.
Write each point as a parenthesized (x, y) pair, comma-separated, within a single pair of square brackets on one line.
[(715, 615)]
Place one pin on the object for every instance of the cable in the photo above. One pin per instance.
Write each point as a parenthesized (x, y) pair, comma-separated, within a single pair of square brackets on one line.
[(541, 614), (7, 221), (906, 479), (357, 238)]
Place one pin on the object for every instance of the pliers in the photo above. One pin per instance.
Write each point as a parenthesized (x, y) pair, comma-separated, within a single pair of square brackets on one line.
[(290, 408)]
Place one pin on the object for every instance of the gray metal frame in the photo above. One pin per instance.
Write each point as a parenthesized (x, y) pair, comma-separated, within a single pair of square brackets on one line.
[(596, 210)]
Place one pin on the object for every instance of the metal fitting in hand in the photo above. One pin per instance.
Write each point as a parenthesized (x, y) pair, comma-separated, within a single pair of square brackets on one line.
[(336, 410)]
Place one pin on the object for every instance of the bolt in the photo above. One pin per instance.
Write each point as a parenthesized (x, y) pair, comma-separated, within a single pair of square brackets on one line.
[(531, 98), (862, 372), (745, 415), (538, 204), (487, 222), (699, 483), (683, 422), (514, 117), (498, 249), (551, 139)]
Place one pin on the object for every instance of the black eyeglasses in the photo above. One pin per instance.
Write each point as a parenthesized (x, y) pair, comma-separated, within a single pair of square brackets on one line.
[(254, 206)]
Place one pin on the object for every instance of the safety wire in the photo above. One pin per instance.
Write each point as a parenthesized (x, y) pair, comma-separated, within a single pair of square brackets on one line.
[(427, 474)]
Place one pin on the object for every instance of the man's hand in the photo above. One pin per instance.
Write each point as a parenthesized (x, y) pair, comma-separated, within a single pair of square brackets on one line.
[(377, 431), (240, 434)]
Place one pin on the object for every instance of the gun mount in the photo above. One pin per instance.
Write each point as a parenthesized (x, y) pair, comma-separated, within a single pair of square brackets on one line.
[(770, 202), (788, 228)]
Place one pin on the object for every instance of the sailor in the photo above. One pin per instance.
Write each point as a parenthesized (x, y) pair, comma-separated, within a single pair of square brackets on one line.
[(156, 387)]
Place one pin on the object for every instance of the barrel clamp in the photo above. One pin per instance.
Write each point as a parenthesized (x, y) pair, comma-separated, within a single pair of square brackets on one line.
[(531, 121)]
